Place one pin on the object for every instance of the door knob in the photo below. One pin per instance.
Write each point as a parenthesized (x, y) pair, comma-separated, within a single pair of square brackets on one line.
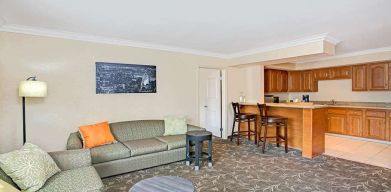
[(205, 106)]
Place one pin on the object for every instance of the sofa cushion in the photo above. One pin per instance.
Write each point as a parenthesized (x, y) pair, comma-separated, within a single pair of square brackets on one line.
[(174, 125), (80, 179), (173, 141), (109, 153), (145, 146), (29, 167), (133, 130), (96, 135)]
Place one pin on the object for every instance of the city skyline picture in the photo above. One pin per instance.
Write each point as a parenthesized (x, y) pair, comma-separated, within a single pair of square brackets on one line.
[(125, 78)]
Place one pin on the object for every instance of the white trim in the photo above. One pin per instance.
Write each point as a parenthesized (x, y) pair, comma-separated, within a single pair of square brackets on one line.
[(303, 41), (115, 41), (360, 138), (101, 39), (357, 53), (224, 99)]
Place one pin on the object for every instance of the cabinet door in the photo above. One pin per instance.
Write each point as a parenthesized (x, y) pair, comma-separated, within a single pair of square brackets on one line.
[(359, 78), (375, 125), (378, 76), (321, 74), (355, 123), (341, 72), (389, 125), (308, 82), (294, 81), (282, 85), (276, 80), (336, 123), (270, 80)]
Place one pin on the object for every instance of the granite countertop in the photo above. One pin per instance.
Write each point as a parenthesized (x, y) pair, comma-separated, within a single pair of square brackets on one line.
[(292, 105), (324, 104)]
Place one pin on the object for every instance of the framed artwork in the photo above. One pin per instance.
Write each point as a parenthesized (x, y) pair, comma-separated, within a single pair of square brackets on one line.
[(125, 78)]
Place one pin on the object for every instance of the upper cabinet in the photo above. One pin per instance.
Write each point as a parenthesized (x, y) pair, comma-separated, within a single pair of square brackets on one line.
[(365, 77), (294, 81), (341, 72), (333, 73), (322, 74), (378, 77), (308, 82), (276, 80), (359, 78)]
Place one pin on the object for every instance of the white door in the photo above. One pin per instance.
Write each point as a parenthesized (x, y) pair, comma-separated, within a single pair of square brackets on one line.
[(210, 100)]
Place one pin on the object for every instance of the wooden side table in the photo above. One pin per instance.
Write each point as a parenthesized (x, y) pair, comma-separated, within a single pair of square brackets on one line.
[(198, 137)]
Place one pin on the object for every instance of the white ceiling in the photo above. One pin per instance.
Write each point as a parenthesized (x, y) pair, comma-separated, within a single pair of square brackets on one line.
[(214, 27)]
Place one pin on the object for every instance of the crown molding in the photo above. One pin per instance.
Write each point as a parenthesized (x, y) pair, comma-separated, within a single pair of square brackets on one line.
[(101, 39), (115, 41), (297, 42), (353, 54)]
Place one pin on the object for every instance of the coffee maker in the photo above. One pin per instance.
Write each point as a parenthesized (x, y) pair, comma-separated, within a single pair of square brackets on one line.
[(306, 98)]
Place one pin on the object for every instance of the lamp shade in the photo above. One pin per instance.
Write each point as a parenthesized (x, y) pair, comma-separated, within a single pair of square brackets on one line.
[(32, 89)]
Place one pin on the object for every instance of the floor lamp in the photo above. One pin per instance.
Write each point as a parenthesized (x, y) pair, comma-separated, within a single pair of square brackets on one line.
[(30, 88)]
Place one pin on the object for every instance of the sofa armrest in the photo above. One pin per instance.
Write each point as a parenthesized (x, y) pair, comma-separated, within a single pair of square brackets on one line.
[(194, 128), (74, 141), (72, 159)]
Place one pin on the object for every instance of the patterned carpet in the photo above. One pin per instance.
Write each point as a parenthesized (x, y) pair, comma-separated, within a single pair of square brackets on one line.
[(245, 168)]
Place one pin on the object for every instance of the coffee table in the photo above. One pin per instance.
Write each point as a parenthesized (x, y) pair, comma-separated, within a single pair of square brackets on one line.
[(163, 184)]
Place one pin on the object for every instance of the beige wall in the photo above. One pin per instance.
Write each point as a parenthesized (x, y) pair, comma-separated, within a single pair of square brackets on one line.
[(69, 69), (248, 80)]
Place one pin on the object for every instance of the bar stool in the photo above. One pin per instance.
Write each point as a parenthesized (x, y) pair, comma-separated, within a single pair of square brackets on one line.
[(272, 121), (244, 117)]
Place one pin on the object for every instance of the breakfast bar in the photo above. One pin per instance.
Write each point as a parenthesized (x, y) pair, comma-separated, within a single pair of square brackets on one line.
[(307, 124)]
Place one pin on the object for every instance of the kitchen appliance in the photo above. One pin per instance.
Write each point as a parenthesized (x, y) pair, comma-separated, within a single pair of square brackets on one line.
[(269, 98), (276, 99), (306, 98)]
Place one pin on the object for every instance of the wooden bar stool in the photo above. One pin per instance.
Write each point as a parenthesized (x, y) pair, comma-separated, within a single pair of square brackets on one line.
[(272, 121), (244, 117)]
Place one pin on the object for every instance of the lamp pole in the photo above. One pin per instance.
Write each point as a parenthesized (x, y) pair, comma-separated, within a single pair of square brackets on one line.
[(24, 119)]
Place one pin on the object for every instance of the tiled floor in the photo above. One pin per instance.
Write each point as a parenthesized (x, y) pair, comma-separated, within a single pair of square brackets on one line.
[(368, 152)]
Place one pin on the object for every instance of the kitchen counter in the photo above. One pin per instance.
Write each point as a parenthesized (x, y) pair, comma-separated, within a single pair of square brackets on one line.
[(291, 105), (316, 105), (307, 124)]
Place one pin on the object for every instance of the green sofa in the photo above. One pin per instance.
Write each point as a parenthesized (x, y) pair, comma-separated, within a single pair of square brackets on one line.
[(76, 174), (140, 145)]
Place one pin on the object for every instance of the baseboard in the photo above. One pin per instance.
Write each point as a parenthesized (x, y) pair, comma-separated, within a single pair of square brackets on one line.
[(360, 138)]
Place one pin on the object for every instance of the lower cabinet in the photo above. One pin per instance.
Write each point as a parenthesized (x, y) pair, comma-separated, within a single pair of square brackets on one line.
[(336, 121), (368, 123), (375, 125), (355, 123)]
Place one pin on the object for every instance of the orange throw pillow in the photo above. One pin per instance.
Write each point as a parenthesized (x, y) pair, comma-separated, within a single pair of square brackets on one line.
[(96, 135)]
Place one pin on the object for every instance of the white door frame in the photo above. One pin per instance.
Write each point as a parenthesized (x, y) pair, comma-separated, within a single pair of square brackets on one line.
[(223, 87)]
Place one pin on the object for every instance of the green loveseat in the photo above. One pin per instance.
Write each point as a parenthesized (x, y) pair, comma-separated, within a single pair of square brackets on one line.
[(76, 174), (140, 145)]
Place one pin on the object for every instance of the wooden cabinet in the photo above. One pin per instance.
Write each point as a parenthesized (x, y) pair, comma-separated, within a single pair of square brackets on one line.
[(322, 74), (389, 125), (294, 81), (340, 73), (369, 123), (375, 125), (365, 77), (355, 123), (359, 78), (309, 84), (377, 76), (276, 80), (336, 121)]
